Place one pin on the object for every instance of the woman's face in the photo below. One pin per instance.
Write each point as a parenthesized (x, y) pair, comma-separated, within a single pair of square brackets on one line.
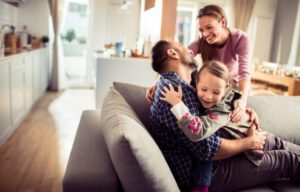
[(211, 29), (210, 89)]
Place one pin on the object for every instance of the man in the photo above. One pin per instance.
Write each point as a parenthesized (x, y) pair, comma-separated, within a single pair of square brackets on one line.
[(175, 64)]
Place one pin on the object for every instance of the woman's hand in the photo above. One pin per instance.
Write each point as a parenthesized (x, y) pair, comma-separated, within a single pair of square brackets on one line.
[(256, 138), (150, 93), (253, 118), (171, 96), (239, 111)]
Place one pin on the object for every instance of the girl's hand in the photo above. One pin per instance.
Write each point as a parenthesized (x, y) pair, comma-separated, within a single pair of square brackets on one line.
[(150, 93), (171, 96), (239, 111)]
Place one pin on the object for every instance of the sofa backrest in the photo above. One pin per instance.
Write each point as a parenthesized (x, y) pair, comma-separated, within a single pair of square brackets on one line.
[(279, 115)]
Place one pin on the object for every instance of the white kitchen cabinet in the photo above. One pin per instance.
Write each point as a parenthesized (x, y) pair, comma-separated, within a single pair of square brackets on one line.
[(36, 75), (23, 80), (17, 77), (44, 69), (5, 117), (28, 81), (40, 66)]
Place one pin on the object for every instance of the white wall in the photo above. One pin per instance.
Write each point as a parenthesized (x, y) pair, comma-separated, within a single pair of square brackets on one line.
[(110, 24), (150, 22), (35, 14), (8, 14)]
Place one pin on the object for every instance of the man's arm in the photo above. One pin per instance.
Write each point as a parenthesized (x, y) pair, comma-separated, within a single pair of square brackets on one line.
[(228, 148)]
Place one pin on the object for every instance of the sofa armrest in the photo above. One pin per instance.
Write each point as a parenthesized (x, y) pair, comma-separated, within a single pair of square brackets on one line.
[(89, 167)]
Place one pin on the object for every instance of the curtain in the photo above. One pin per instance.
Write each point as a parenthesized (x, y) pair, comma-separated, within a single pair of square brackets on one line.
[(243, 10), (294, 57), (56, 82)]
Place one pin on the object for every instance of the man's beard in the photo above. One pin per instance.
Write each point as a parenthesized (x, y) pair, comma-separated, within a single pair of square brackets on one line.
[(190, 62), (193, 65)]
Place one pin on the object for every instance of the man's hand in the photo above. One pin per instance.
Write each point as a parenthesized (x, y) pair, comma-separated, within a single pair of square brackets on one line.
[(171, 96), (256, 138), (229, 147), (150, 93), (238, 111)]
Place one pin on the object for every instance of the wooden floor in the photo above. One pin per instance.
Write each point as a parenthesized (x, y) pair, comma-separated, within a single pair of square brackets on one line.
[(35, 157)]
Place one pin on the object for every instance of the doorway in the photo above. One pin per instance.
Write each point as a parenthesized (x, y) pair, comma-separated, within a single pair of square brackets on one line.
[(74, 35)]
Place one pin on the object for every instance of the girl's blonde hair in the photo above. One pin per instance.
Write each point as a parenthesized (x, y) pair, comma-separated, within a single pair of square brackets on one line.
[(217, 69)]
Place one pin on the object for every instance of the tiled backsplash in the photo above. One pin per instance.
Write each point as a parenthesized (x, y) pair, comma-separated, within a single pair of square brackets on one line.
[(8, 14)]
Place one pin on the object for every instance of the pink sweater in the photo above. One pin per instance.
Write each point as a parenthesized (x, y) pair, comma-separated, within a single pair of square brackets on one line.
[(235, 54)]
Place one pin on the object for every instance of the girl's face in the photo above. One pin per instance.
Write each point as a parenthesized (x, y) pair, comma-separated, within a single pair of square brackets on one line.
[(211, 29), (210, 89)]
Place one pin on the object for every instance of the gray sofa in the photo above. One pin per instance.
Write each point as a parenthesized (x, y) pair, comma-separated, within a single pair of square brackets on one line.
[(113, 151)]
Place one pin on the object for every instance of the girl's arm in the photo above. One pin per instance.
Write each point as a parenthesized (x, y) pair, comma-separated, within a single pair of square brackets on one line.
[(195, 128), (198, 128)]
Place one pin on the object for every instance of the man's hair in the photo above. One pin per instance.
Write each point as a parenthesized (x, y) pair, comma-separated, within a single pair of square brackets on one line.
[(160, 55)]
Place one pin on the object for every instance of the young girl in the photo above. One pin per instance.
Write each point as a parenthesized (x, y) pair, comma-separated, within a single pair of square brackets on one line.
[(214, 90)]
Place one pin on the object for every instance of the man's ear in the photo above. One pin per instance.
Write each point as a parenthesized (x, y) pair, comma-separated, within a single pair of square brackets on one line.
[(173, 54)]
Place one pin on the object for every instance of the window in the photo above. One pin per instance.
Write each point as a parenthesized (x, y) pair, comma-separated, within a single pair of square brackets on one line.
[(186, 23)]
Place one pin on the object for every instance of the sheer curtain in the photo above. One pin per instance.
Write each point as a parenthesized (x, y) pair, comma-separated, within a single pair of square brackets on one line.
[(57, 67), (243, 10)]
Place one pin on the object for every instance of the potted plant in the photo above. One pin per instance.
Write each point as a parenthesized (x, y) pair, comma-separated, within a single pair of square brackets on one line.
[(45, 40)]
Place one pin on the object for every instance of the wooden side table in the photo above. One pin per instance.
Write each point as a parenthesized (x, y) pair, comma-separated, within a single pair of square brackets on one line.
[(292, 83)]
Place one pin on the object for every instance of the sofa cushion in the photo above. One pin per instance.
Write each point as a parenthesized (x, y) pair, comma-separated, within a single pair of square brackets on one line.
[(136, 157), (278, 115), (261, 188), (135, 96)]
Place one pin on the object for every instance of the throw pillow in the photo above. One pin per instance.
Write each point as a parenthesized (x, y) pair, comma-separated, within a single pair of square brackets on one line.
[(136, 157)]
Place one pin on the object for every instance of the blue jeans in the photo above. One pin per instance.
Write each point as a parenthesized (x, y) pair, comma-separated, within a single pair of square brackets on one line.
[(203, 172)]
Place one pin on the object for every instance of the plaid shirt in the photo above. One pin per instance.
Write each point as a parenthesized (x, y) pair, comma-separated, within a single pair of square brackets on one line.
[(179, 151)]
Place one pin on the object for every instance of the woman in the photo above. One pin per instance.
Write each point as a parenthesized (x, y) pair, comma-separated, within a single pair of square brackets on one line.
[(229, 46)]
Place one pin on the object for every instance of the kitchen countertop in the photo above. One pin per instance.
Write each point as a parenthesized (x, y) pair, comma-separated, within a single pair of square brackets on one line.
[(102, 56), (19, 53)]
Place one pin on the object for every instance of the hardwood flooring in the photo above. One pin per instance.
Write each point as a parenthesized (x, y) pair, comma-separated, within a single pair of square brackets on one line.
[(35, 157)]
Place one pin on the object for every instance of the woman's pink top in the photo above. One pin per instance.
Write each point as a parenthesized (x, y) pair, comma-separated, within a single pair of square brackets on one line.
[(235, 54)]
